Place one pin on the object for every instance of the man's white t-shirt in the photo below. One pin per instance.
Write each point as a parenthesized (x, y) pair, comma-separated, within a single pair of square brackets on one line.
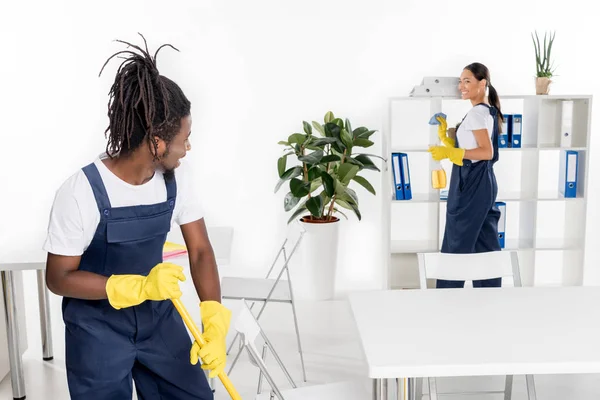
[(75, 216), (477, 118)]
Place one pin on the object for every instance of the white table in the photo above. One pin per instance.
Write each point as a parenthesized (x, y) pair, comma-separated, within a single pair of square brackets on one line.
[(440, 333), (12, 326)]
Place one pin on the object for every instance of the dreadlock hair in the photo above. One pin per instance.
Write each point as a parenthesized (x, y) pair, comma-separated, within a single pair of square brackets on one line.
[(143, 105)]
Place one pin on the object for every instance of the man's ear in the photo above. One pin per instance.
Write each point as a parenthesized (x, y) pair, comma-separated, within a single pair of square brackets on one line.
[(159, 147)]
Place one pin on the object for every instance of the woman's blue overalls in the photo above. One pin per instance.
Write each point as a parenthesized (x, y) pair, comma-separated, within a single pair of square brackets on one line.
[(105, 347), (471, 215)]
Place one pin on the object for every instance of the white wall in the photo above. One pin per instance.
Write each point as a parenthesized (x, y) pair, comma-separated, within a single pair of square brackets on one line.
[(253, 71)]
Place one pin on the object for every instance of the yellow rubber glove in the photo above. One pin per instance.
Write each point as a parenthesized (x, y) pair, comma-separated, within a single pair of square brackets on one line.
[(215, 319), (162, 283), (442, 128), (454, 154)]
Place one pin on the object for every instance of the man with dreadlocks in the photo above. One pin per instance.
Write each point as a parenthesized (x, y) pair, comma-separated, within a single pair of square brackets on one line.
[(107, 229)]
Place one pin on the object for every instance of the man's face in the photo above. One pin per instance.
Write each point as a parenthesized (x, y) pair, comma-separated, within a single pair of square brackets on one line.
[(178, 147)]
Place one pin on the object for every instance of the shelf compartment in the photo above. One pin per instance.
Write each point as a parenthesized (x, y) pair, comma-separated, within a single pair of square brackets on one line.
[(519, 227), (409, 119), (554, 269), (549, 174), (564, 122), (560, 225), (414, 228)]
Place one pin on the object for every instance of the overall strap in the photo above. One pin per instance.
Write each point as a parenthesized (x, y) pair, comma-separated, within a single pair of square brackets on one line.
[(102, 200), (171, 185), (495, 131)]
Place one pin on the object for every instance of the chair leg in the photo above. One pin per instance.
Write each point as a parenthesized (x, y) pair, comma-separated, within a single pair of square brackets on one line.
[(508, 385), (530, 387), (260, 376), (298, 340), (293, 303), (268, 377)]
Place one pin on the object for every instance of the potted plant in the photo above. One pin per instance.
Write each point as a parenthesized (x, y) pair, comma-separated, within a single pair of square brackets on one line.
[(325, 163), (545, 69)]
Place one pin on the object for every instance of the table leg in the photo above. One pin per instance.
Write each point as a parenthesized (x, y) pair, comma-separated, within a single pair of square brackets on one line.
[(46, 326), (12, 330)]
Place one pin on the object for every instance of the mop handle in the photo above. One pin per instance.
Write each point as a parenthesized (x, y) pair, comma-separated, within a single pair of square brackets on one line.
[(185, 315)]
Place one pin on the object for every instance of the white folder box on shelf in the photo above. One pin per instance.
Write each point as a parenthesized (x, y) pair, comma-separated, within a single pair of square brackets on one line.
[(432, 86)]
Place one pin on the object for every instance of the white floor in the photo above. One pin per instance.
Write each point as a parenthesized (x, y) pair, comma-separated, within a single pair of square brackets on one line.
[(332, 353)]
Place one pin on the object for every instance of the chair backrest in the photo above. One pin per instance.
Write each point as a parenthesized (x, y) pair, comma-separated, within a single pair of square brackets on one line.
[(249, 329), (469, 267), (289, 246), (246, 324)]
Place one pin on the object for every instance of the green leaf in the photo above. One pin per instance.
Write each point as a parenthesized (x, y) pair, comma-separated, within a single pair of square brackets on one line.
[(338, 122), (297, 138), (314, 173), (356, 211), (363, 142), (281, 164), (358, 131), (328, 183), (348, 126), (346, 139), (324, 141), (318, 127), (369, 155), (339, 212), (315, 206), (364, 183), (307, 128), (312, 158), (349, 206), (332, 130), (299, 188), (328, 117), (366, 161), (338, 146), (352, 195), (346, 172), (330, 158), (290, 201), (314, 185), (283, 143), (343, 203), (362, 133), (298, 211), (290, 173), (353, 161), (313, 147)]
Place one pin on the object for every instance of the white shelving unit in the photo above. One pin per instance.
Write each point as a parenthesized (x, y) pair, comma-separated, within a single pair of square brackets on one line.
[(547, 229)]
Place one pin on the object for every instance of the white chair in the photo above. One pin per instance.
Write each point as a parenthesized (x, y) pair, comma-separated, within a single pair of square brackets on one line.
[(249, 329), (469, 267), (267, 289)]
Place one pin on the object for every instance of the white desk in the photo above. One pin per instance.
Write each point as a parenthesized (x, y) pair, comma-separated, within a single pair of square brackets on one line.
[(441, 333)]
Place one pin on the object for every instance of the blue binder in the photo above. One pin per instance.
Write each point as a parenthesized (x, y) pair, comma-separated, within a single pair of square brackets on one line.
[(567, 182), (516, 130), (397, 171), (405, 176), (506, 127), (501, 223)]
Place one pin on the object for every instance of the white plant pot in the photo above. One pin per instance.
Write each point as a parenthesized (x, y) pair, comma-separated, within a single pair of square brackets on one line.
[(314, 277)]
